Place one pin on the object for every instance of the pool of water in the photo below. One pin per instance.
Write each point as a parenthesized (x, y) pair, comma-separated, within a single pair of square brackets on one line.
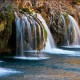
[(56, 67)]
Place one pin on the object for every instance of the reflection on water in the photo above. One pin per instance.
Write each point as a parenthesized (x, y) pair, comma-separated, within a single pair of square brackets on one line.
[(57, 67)]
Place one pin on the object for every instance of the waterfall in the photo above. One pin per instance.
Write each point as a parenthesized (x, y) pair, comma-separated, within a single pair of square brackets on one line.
[(30, 34), (19, 35), (76, 29), (50, 41), (65, 28), (72, 31)]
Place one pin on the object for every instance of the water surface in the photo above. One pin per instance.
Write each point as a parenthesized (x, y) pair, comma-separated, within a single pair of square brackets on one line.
[(57, 67)]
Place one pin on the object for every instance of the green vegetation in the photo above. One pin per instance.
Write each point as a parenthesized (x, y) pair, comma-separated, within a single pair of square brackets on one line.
[(42, 44), (9, 8), (26, 10), (6, 18), (1, 17), (45, 33), (66, 19), (72, 35)]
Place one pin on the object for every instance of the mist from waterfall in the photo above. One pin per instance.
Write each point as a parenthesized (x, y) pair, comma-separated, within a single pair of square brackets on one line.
[(30, 34)]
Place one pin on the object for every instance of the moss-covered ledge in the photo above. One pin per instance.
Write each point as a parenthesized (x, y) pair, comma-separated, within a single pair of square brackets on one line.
[(6, 19)]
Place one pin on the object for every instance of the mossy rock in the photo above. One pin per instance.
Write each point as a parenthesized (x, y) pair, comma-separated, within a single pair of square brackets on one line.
[(25, 10), (6, 28), (66, 19), (2, 25), (3, 44)]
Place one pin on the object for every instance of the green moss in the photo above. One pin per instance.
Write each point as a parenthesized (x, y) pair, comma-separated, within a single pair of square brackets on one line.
[(45, 33), (9, 8), (6, 33), (39, 42), (3, 44), (8, 27), (42, 44), (1, 17), (9, 16), (21, 11), (2, 25), (66, 19), (26, 10), (72, 35)]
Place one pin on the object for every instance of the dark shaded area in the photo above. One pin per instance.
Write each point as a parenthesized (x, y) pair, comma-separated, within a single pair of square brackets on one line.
[(12, 40)]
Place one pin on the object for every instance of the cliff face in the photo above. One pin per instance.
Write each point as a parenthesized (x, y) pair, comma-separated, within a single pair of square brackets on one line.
[(51, 11), (71, 7), (54, 5)]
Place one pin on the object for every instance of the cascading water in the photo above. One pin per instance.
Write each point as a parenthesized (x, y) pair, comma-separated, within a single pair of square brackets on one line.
[(72, 31), (32, 34), (19, 35), (50, 41), (76, 29)]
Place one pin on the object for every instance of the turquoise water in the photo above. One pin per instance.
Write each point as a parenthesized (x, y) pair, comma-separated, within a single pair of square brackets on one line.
[(57, 67)]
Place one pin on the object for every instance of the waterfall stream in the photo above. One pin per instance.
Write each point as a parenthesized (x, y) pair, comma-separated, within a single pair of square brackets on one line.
[(50, 41), (76, 29), (32, 34), (72, 31)]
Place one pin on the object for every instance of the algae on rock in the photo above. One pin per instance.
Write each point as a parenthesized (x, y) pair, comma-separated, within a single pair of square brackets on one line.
[(6, 19)]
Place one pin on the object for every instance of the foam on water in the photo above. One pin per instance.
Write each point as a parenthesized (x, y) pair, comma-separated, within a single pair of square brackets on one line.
[(61, 51), (31, 58), (72, 46), (4, 71), (1, 61)]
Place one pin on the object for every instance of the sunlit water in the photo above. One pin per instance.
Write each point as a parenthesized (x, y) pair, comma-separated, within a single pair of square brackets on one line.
[(59, 66)]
